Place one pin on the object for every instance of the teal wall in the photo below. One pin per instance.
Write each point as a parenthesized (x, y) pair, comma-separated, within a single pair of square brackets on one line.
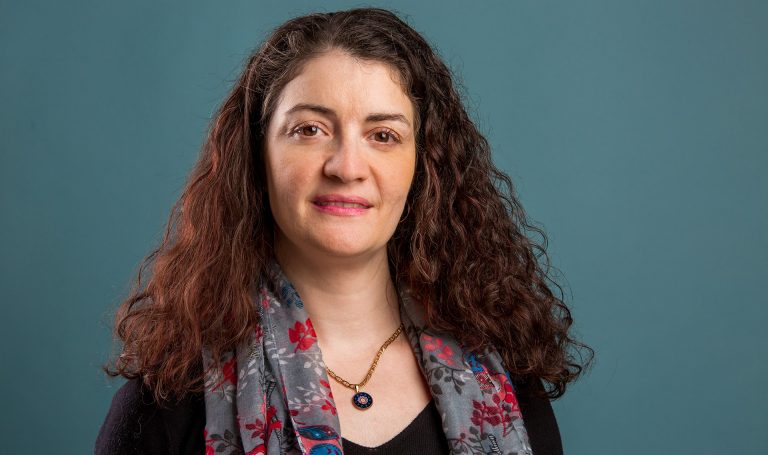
[(637, 134)]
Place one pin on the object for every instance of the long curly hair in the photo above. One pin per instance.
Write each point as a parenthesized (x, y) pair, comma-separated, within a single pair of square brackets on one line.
[(464, 248)]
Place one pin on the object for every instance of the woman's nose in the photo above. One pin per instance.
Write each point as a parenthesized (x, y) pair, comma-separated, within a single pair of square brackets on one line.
[(347, 161)]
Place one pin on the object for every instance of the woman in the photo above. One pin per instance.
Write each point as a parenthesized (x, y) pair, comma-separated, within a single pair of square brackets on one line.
[(342, 271)]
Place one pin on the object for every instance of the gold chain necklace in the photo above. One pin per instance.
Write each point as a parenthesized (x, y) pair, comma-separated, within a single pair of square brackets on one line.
[(362, 400)]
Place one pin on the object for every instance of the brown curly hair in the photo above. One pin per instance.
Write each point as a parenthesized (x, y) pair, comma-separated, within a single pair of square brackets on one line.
[(461, 249)]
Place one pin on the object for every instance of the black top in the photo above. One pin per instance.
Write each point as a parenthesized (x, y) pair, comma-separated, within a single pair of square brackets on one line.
[(423, 436), (136, 424)]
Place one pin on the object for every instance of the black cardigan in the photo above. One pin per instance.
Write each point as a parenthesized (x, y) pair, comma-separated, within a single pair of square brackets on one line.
[(136, 424)]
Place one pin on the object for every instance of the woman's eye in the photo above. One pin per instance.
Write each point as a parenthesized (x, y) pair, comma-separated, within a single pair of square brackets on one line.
[(384, 136), (307, 130)]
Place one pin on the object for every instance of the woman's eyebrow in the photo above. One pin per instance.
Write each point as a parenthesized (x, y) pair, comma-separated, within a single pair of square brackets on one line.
[(328, 112), (380, 116)]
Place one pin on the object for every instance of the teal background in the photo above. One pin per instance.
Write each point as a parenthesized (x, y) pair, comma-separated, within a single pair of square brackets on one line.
[(636, 132)]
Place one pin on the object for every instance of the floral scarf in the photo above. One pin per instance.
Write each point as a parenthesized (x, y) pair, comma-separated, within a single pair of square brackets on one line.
[(272, 396)]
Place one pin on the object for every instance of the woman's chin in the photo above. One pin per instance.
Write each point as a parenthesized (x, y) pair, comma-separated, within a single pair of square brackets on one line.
[(346, 246), (333, 243), (346, 250)]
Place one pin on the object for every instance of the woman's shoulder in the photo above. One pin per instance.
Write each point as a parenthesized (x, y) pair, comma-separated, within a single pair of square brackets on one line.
[(136, 423)]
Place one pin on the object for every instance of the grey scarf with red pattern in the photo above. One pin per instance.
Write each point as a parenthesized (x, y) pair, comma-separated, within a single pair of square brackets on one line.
[(271, 395)]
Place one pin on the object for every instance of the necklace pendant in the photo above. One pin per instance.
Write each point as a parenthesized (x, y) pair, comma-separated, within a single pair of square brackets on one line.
[(362, 400)]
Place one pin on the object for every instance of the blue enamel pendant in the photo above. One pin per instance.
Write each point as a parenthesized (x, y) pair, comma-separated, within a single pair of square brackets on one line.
[(362, 400)]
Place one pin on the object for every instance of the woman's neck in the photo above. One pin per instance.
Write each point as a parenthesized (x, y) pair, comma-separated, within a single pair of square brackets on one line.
[(353, 303)]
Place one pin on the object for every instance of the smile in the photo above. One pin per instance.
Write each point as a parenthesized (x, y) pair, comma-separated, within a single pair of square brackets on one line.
[(341, 204)]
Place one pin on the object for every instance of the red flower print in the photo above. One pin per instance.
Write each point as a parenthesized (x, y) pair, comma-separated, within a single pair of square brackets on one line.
[(503, 410), (493, 415), (304, 336), (263, 430), (506, 393), (328, 406), (264, 300), (228, 371), (260, 449), (443, 351), (259, 430), (209, 450)]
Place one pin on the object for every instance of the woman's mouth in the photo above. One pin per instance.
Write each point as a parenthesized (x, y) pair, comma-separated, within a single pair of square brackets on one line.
[(341, 205)]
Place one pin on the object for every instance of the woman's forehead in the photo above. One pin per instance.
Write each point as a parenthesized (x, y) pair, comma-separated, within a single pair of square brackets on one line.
[(346, 85)]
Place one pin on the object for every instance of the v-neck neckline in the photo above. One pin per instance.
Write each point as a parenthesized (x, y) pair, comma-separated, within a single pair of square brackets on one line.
[(422, 415)]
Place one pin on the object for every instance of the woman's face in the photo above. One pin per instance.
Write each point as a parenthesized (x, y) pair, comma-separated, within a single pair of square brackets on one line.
[(340, 155)]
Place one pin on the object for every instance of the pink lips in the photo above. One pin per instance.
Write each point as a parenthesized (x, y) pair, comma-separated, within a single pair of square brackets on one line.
[(340, 205)]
